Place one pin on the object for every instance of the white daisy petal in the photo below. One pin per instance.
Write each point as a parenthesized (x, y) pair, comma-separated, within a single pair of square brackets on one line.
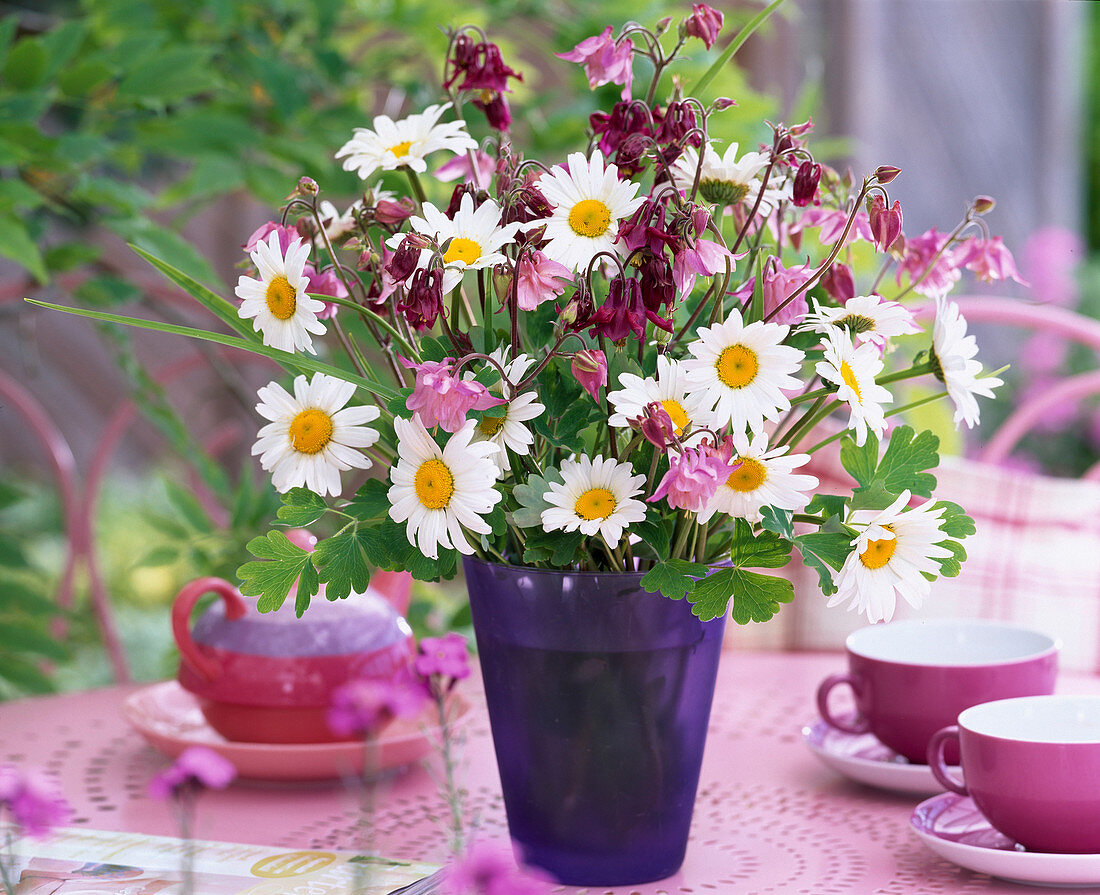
[(595, 496), (277, 303), (853, 371), (953, 363)]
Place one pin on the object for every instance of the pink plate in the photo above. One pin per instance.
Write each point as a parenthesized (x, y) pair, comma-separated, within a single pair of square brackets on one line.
[(169, 718), (954, 828)]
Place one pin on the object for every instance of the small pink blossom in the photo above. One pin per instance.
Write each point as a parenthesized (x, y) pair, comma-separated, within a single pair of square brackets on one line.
[(1051, 256), (699, 257), (390, 211), (444, 656), (442, 398), (460, 166), (327, 283), (539, 279), (779, 282), (692, 479), (604, 61), (34, 800), (590, 367), (919, 252), (287, 235), (806, 180), (703, 23), (363, 705), (488, 868), (196, 766), (989, 259), (885, 222)]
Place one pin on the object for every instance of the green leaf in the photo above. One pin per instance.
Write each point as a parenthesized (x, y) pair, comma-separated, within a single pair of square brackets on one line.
[(301, 507), (763, 551), (673, 578), (11, 553), (556, 547), (403, 556), (653, 533), (909, 454), (756, 306), (755, 597), (371, 502), (271, 579), (951, 566), (169, 76), (343, 561), (23, 596), (779, 521), (210, 300), (10, 494), (22, 638), (825, 551), (164, 555), (188, 506), (955, 522), (828, 505), (860, 461), (17, 244), (531, 500), (498, 520), (106, 290), (308, 585), (24, 674), (26, 64)]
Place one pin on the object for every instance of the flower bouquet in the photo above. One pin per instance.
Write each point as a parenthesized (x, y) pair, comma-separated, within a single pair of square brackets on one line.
[(600, 375)]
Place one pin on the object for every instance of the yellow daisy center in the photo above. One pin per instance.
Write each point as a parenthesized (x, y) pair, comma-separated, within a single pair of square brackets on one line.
[(462, 249), (849, 377), (590, 217), (490, 425), (748, 477), (878, 552), (595, 503), (282, 298), (434, 484), (677, 414), (401, 149), (311, 431), (737, 366)]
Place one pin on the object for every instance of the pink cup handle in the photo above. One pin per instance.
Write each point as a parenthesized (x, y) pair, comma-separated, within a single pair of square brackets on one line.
[(938, 763), (185, 601), (857, 725)]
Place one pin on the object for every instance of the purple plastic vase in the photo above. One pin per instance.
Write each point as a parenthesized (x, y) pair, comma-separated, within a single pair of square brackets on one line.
[(599, 696)]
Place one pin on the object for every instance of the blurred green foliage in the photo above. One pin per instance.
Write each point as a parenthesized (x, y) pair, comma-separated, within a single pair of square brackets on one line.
[(1091, 146)]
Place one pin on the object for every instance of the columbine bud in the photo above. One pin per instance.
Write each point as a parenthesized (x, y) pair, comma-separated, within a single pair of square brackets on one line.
[(805, 183), (389, 212), (704, 23), (502, 284), (660, 336), (983, 204), (723, 103), (307, 186), (885, 173), (838, 282), (885, 222), (656, 426), (662, 26), (590, 368), (407, 257)]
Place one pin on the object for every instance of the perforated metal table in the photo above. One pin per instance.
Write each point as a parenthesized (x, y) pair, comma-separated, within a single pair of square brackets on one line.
[(769, 816)]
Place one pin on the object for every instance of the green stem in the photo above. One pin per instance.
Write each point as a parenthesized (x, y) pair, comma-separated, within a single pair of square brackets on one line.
[(684, 528), (418, 190), (911, 372), (454, 794), (808, 422), (894, 412), (799, 428), (377, 320)]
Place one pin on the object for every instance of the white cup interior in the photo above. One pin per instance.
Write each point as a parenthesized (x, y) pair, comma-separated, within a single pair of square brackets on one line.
[(949, 642), (1037, 719)]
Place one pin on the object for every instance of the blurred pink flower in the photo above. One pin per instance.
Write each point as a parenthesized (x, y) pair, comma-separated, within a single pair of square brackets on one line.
[(445, 656), (779, 282), (34, 800), (604, 61), (287, 235), (363, 705), (838, 282), (692, 479), (1044, 353), (703, 23), (989, 259), (539, 280), (590, 368), (444, 399), (327, 283), (460, 166), (919, 252), (197, 766), (488, 868), (1051, 256)]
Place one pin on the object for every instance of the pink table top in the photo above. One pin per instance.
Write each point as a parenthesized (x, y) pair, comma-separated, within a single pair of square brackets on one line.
[(769, 816)]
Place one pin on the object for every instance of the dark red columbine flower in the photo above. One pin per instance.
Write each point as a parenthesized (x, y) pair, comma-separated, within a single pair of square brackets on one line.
[(407, 256), (496, 110), (838, 282), (805, 183), (622, 313), (704, 23), (456, 198), (423, 298), (656, 426), (657, 288), (678, 119), (646, 229), (579, 310), (625, 134), (485, 73)]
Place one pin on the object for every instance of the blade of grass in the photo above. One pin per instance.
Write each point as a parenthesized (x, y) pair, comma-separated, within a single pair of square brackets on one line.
[(744, 34)]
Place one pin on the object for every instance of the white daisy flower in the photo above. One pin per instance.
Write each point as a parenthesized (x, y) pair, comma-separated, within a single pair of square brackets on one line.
[(504, 426), (312, 436), (741, 371), (442, 491), (596, 495), (475, 235), (869, 318), (670, 390), (277, 302), (393, 144), (891, 555), (954, 365), (765, 478), (337, 224), (724, 179), (589, 200), (853, 371)]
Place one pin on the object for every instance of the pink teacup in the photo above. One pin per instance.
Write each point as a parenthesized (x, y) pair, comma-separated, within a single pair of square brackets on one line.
[(910, 678), (1032, 766)]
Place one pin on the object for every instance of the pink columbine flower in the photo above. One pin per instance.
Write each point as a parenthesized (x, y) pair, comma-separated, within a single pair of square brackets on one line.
[(703, 23), (363, 705), (699, 257), (287, 235), (445, 656), (1050, 258), (692, 479), (390, 211), (488, 868), (34, 801), (539, 279), (885, 222), (839, 283), (460, 166), (919, 252), (806, 180), (197, 766), (989, 259), (604, 61), (326, 283), (442, 398), (590, 367), (779, 282)]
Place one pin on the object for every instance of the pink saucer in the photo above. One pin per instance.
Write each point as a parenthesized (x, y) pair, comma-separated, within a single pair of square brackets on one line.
[(861, 757), (954, 828), (170, 720)]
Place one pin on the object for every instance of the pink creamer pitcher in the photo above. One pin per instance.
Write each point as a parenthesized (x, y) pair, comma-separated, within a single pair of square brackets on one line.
[(269, 677)]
